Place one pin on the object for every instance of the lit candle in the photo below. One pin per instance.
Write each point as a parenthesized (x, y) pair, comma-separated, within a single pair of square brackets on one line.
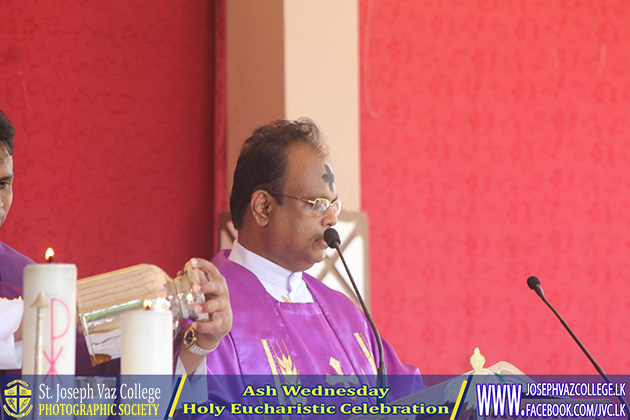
[(49, 328), (147, 342), (50, 253)]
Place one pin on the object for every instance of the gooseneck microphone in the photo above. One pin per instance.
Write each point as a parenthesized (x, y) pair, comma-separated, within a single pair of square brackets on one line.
[(332, 239), (534, 284)]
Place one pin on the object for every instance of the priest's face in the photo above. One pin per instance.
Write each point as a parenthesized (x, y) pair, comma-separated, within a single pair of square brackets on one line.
[(295, 234), (6, 184)]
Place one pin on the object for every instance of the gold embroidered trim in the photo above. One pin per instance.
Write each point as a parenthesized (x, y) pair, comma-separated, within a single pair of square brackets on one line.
[(272, 364), (336, 364), (368, 355)]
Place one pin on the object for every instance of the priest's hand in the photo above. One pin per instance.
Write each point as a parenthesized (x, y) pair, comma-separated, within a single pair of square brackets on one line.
[(217, 305)]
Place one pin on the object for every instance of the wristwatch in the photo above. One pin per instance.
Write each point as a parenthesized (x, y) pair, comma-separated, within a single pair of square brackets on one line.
[(190, 341)]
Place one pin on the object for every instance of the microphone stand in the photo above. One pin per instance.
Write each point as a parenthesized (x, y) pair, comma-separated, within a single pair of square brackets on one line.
[(381, 373), (534, 284)]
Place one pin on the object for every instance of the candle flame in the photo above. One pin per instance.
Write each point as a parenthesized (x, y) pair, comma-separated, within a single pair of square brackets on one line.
[(148, 303), (49, 253)]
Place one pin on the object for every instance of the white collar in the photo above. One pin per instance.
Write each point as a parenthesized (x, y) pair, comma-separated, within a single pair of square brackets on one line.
[(279, 282)]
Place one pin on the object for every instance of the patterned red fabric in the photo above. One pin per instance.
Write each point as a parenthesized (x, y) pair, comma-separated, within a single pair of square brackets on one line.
[(113, 104), (495, 146)]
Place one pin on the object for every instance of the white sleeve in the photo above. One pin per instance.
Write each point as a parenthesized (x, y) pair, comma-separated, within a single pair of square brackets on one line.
[(200, 370), (11, 316)]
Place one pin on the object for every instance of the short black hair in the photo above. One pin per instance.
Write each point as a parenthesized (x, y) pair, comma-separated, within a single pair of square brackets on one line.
[(7, 132), (262, 163)]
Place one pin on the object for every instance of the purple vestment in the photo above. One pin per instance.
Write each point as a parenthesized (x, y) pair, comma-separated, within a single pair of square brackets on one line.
[(330, 337), (12, 265)]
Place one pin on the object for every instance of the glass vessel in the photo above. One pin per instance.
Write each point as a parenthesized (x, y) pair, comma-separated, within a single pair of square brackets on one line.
[(103, 298)]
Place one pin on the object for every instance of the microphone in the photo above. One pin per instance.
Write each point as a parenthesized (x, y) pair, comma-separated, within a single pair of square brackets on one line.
[(332, 239), (331, 236), (534, 284)]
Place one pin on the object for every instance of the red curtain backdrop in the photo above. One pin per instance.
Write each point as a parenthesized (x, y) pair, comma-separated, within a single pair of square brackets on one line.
[(113, 104), (495, 146)]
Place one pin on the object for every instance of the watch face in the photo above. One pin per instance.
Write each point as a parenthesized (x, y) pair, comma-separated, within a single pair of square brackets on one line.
[(189, 337)]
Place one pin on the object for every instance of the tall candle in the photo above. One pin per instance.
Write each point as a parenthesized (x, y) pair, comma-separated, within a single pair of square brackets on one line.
[(147, 342), (50, 327)]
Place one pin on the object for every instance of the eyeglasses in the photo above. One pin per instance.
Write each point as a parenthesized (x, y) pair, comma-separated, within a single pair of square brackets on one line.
[(319, 205)]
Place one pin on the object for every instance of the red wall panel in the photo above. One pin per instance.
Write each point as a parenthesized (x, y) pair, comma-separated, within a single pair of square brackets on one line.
[(495, 146), (113, 107)]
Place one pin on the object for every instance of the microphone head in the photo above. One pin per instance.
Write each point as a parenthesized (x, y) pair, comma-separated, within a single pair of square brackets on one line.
[(532, 282), (332, 238)]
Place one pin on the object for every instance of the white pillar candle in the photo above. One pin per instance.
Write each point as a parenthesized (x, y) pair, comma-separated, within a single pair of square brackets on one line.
[(57, 320), (147, 342)]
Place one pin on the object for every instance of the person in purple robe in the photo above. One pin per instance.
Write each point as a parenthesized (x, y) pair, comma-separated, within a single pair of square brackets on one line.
[(288, 325), (12, 263)]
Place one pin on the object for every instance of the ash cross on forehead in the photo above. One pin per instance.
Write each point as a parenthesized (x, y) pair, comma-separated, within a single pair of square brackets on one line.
[(329, 177)]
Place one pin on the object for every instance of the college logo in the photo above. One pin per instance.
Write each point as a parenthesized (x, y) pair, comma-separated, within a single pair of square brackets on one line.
[(17, 399)]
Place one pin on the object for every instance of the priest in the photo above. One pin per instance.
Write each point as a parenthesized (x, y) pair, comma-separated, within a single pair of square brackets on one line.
[(286, 323)]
